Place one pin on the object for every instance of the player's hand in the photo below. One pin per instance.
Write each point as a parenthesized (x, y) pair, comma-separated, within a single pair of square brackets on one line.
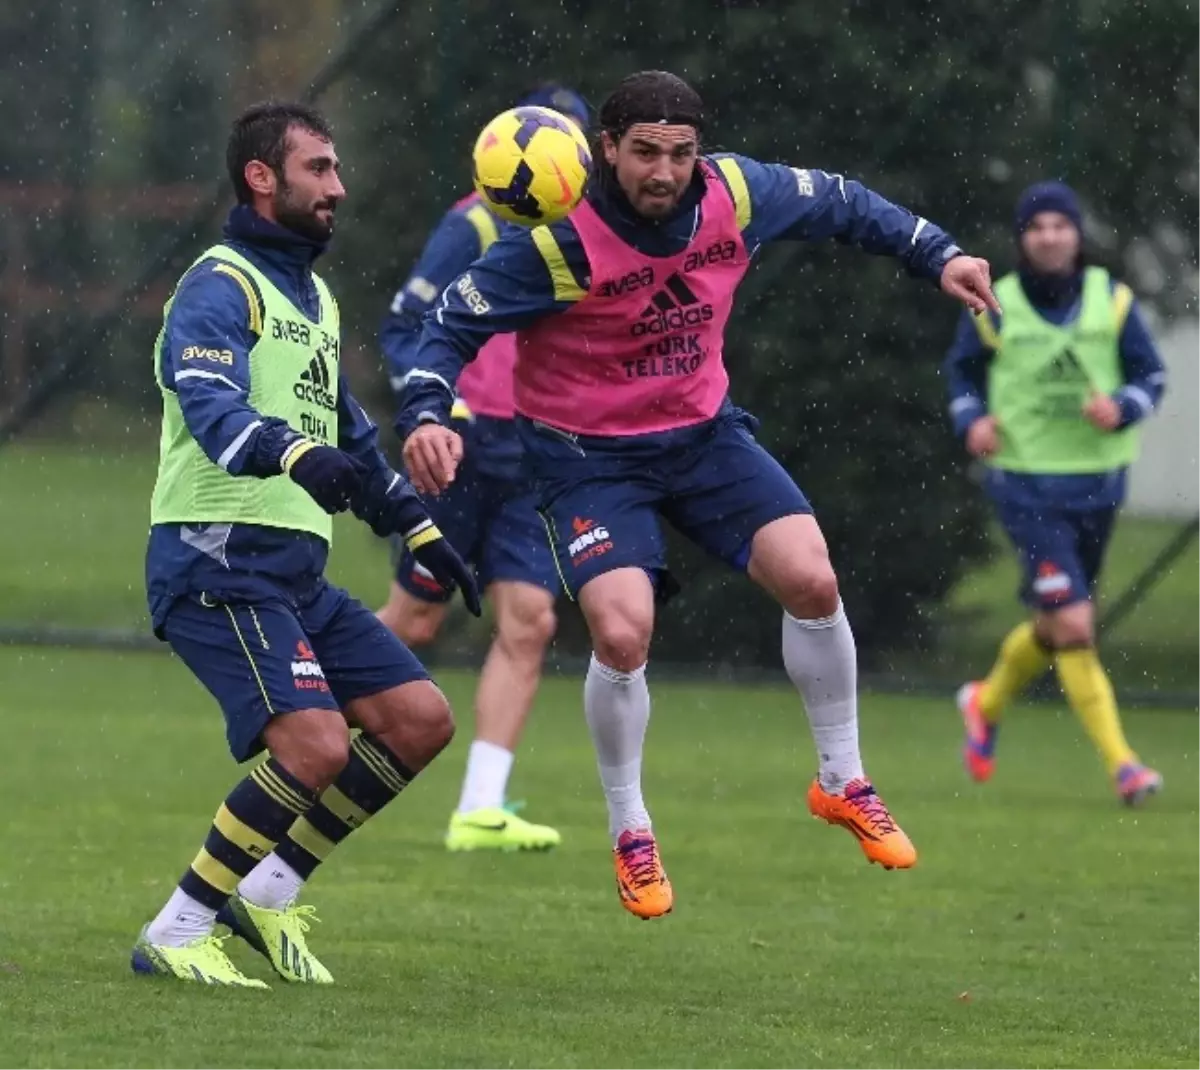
[(1102, 412), (983, 437), (388, 506), (431, 455), (332, 478), (969, 279), (429, 546)]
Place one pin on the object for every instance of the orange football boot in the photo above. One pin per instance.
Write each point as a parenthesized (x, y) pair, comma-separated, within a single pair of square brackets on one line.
[(641, 880), (979, 747), (1136, 783), (863, 812)]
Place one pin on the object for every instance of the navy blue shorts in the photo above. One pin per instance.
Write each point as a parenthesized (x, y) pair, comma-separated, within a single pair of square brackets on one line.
[(1061, 551), (265, 657), (602, 499), (489, 515)]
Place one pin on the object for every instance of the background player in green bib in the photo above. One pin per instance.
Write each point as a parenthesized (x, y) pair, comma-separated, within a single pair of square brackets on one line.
[(261, 443), (1049, 394)]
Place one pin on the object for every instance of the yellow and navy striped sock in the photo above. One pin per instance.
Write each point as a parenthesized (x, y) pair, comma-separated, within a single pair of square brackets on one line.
[(254, 817), (372, 778)]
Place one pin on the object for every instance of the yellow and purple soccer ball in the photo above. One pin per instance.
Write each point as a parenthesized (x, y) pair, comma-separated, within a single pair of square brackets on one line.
[(531, 165)]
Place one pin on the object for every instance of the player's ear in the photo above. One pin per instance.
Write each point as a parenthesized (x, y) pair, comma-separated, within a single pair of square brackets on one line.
[(260, 178), (609, 146)]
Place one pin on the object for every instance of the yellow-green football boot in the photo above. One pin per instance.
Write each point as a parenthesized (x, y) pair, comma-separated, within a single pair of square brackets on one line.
[(496, 828), (203, 961), (279, 936)]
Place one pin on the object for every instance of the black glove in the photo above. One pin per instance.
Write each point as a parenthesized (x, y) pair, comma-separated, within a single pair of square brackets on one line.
[(331, 477), (387, 504), (434, 553)]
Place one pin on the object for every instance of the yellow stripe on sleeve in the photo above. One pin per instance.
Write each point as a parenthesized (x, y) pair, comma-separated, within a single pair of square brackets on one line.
[(737, 186), (485, 226), (1122, 302), (256, 314), (987, 331), (565, 286)]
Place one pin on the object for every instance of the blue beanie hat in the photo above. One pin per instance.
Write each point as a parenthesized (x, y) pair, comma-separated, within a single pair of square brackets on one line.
[(1048, 197), (560, 98)]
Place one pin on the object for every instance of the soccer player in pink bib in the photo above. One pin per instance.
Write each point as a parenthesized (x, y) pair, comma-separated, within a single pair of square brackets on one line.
[(622, 405)]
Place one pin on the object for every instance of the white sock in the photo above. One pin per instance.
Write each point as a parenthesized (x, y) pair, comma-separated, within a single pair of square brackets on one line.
[(821, 660), (272, 884), (181, 921), (488, 766), (617, 707)]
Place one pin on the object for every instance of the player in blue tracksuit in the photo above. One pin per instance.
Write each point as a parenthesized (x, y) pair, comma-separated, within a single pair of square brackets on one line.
[(262, 442), (490, 517), (1057, 502), (623, 411)]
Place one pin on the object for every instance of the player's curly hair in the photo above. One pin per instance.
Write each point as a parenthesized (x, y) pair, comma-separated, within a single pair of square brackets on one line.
[(651, 97), (260, 133)]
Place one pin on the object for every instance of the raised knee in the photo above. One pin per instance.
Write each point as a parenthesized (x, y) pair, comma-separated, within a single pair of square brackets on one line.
[(331, 749), (313, 745), (622, 640), (812, 591)]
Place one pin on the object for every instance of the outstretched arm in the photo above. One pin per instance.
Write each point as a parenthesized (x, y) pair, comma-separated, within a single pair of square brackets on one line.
[(781, 203)]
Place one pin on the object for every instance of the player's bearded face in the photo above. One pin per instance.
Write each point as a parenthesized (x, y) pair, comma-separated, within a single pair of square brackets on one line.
[(1051, 243), (654, 164), (309, 190)]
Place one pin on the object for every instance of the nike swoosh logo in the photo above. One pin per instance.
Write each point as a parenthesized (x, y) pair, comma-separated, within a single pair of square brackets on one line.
[(488, 828), (562, 185)]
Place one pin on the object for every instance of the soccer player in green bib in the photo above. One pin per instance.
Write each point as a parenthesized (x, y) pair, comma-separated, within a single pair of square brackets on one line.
[(1049, 394), (261, 444)]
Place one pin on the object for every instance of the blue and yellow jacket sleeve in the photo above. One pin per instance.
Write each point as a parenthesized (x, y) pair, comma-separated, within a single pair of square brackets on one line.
[(358, 435), (965, 368), (1145, 374), (524, 276), (205, 361), (780, 203), (456, 242)]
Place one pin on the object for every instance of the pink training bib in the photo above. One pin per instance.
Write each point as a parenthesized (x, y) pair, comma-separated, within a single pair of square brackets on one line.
[(486, 384), (642, 351)]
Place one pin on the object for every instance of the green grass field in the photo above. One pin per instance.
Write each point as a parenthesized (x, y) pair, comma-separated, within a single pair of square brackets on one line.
[(1043, 926), (76, 559)]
